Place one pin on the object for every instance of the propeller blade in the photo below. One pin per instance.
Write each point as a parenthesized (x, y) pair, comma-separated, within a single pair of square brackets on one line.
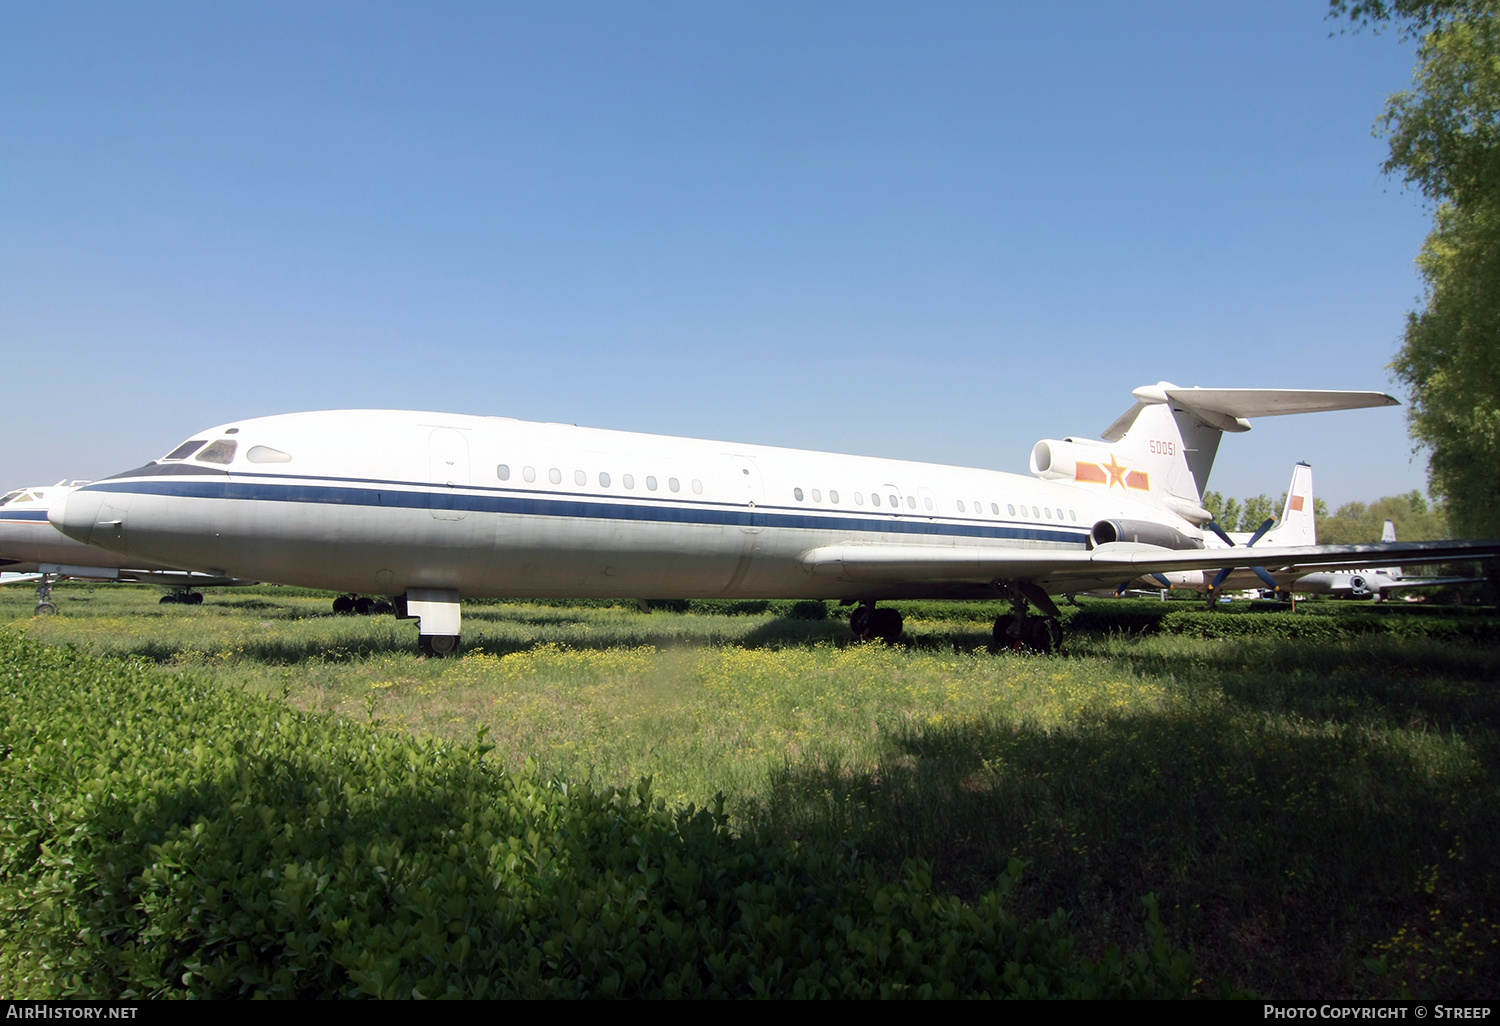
[(1220, 578), (1265, 575), (1124, 586), (1213, 525), (1162, 580), (1261, 531)]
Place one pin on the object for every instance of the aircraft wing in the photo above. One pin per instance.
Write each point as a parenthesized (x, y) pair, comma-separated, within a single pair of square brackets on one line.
[(18, 578), (1429, 582), (1066, 569)]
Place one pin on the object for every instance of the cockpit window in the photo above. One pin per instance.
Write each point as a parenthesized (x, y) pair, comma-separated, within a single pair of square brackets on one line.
[(264, 454), (221, 451), (19, 495), (184, 450)]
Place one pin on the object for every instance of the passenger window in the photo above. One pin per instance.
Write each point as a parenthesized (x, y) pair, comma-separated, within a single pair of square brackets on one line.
[(1072, 515), (833, 496), (221, 451), (603, 479), (797, 493), (502, 470), (697, 487), (978, 506), (928, 503), (1023, 511), (554, 475), (995, 508), (672, 483), (1035, 515), (184, 450), (817, 495), (627, 480), (1059, 514), (650, 483), (266, 454), (961, 505), (859, 500), (874, 499), (1048, 511), (1011, 509), (579, 477), (911, 502), (528, 474)]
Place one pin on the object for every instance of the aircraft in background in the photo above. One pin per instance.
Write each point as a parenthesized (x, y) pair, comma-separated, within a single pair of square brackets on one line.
[(1372, 584), (432, 508), (33, 551), (1263, 568)]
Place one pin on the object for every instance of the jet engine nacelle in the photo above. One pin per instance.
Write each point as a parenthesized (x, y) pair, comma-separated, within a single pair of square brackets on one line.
[(1144, 532), (1057, 460)]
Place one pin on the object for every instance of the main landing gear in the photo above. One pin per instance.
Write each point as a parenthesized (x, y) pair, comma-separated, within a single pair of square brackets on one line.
[(1024, 631), (867, 622), (361, 605), (181, 597)]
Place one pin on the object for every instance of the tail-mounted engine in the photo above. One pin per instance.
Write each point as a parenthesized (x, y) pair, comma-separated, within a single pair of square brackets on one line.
[(1057, 460), (1144, 532)]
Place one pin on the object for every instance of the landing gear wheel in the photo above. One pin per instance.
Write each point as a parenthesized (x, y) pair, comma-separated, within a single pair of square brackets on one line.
[(364, 606), (194, 598), (343, 604), (1043, 634), (886, 624), (382, 607), (437, 645), (167, 600), (1007, 633), (46, 609), (859, 623)]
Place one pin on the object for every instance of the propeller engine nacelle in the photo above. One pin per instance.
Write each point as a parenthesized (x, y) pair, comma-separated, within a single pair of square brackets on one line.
[(1057, 459)]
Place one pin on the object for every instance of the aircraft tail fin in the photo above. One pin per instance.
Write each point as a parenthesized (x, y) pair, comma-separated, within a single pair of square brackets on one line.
[(1298, 525), (1162, 449), (1389, 533)]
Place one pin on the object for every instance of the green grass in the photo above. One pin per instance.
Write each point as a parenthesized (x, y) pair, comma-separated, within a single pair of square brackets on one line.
[(1319, 817)]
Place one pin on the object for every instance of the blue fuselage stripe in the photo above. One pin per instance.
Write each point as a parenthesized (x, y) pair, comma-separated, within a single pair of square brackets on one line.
[(568, 507)]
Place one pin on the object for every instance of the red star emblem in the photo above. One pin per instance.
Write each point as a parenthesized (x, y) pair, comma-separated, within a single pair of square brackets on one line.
[(1116, 472)]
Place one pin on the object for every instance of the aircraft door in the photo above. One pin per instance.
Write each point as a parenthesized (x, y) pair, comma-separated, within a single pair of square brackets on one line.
[(747, 485), (448, 465)]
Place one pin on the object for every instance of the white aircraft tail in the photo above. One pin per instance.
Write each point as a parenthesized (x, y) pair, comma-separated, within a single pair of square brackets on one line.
[(1162, 449), (1389, 533), (1298, 525)]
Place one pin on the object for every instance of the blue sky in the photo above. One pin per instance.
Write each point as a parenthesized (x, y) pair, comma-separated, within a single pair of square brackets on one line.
[(929, 231)]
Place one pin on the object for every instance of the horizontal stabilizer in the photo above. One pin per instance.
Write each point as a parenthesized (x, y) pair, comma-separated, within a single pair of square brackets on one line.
[(1273, 402), (1229, 409)]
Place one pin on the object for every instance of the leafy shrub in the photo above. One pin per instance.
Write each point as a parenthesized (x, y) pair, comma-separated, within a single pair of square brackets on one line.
[(161, 837)]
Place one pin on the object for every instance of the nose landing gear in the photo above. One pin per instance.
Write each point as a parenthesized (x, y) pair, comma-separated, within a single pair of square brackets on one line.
[(44, 604)]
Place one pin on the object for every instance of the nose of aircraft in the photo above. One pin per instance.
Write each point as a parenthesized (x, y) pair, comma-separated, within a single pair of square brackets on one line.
[(74, 515)]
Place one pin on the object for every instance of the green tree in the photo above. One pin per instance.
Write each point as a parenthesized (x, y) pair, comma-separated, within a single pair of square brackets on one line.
[(1257, 511), (1358, 522), (1444, 137)]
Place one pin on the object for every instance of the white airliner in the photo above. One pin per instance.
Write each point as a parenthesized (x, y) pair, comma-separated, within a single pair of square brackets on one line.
[(431, 508), (1372, 584), (31, 551)]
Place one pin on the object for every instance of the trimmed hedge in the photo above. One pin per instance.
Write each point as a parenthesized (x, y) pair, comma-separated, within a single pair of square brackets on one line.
[(163, 837)]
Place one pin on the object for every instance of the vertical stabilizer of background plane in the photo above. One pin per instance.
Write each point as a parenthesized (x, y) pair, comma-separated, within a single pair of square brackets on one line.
[(1298, 525)]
